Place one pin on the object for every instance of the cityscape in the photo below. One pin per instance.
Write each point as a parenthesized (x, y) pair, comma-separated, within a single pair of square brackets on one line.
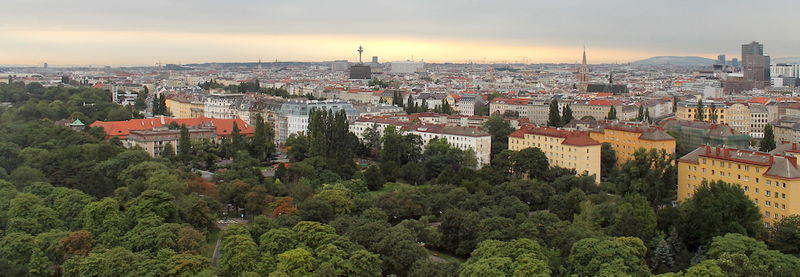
[(421, 144)]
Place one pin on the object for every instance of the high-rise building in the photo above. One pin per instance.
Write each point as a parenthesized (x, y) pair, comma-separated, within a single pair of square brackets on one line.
[(755, 64), (340, 65), (721, 59), (374, 59)]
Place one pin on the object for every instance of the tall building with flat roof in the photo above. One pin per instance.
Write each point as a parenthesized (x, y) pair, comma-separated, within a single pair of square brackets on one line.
[(755, 65)]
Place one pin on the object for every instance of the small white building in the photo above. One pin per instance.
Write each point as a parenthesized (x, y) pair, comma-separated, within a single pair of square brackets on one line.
[(293, 115)]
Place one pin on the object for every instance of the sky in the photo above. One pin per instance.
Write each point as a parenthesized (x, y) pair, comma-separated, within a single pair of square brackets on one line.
[(144, 32)]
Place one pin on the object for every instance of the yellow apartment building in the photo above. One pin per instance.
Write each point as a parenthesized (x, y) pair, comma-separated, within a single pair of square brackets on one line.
[(563, 148), (626, 137), (771, 180), (184, 106), (688, 111)]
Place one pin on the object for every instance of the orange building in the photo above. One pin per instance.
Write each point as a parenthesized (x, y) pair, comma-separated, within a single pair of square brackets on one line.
[(626, 137)]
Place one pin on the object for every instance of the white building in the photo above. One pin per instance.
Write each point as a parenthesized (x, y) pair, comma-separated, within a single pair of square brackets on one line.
[(784, 70), (340, 65), (467, 104), (463, 138), (407, 67), (293, 116), (221, 106)]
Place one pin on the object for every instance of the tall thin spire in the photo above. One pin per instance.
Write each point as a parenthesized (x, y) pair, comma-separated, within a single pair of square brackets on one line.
[(584, 55), (360, 49)]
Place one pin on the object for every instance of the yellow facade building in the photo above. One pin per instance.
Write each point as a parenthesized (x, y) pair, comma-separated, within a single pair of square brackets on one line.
[(626, 137), (567, 149), (688, 111), (771, 180), (184, 106)]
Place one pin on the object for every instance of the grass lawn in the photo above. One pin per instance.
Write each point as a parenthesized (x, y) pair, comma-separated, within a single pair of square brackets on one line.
[(444, 256)]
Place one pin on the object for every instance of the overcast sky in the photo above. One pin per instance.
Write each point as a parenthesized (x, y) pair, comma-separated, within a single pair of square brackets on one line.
[(149, 31)]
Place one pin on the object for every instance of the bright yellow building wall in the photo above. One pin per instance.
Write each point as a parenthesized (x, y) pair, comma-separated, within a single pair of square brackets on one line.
[(584, 159), (625, 144), (748, 177), (688, 113)]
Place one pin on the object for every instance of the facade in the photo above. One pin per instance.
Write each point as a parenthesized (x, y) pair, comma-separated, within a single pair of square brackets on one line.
[(759, 117), (785, 70), (468, 103), (184, 106), (692, 134), (688, 111), (771, 180), (407, 67), (293, 115), (340, 65), (463, 138), (626, 137), (739, 117), (563, 148), (360, 72), (155, 141), (221, 106), (755, 65), (500, 106), (787, 129)]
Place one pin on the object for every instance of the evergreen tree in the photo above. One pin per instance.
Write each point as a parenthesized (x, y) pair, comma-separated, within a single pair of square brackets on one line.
[(446, 109), (237, 142), (674, 103), (262, 146), (768, 142), (712, 113), (566, 116), (640, 115), (184, 145), (647, 115), (169, 151), (411, 106), (554, 118), (699, 115), (424, 107), (612, 113)]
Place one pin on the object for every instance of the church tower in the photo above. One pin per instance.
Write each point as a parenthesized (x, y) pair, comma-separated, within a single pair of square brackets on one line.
[(583, 74)]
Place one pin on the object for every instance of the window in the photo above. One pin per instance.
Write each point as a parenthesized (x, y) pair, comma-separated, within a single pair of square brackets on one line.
[(746, 188), (768, 193), (766, 213), (783, 195), (747, 178), (756, 180), (783, 206), (769, 182), (767, 203)]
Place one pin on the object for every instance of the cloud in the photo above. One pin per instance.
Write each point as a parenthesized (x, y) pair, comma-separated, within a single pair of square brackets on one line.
[(147, 30)]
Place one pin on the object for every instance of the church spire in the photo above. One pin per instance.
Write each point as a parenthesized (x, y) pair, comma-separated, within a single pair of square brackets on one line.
[(583, 73)]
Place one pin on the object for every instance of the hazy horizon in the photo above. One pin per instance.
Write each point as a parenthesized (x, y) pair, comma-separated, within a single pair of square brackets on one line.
[(93, 32)]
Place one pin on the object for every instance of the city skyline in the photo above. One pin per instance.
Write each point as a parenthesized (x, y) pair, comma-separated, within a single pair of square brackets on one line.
[(143, 32)]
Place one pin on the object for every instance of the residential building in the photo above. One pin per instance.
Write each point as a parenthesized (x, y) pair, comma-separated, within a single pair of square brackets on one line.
[(771, 180), (221, 106), (625, 137), (407, 67), (223, 128), (468, 103), (688, 111), (517, 106), (563, 148), (463, 138), (692, 134), (739, 117), (759, 117), (293, 115), (155, 141), (184, 106), (787, 129)]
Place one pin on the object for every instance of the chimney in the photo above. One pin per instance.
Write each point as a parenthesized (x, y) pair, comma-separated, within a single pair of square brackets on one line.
[(794, 146), (708, 149)]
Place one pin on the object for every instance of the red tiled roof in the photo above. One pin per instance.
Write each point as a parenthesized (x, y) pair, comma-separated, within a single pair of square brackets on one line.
[(121, 129), (574, 138), (512, 101), (98, 85), (760, 100), (604, 102)]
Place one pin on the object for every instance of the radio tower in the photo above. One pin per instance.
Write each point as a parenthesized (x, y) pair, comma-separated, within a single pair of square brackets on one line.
[(360, 50)]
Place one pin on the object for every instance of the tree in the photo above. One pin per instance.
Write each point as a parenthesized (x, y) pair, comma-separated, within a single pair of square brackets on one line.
[(700, 114), (785, 235), (184, 145), (169, 151), (530, 161), (554, 117), (608, 160), (372, 138), (640, 115), (374, 178), (598, 257), (715, 209), (104, 220), (364, 263), (262, 146), (612, 113), (634, 218), (296, 262), (650, 173), (237, 141), (768, 142), (399, 250), (446, 109), (712, 113), (566, 116), (77, 243), (519, 257), (500, 129)]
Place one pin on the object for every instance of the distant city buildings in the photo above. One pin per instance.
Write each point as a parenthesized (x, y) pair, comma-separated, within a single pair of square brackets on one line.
[(407, 67)]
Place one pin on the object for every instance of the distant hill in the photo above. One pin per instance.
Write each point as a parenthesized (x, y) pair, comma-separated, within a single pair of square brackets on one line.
[(786, 60), (676, 60)]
